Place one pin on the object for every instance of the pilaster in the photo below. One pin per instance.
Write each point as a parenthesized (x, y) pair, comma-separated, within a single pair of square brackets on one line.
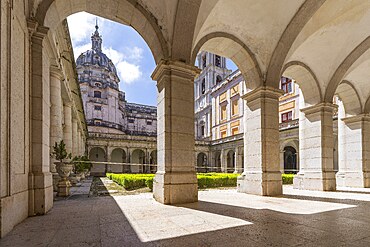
[(261, 174), (316, 148), (175, 180), (354, 165)]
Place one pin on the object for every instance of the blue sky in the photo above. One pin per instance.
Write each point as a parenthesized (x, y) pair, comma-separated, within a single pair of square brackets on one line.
[(128, 51)]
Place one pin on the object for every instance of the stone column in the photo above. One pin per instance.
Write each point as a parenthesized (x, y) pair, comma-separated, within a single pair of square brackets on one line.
[(223, 160), (67, 132), (238, 163), (355, 172), (175, 180), (40, 179), (74, 137), (282, 161), (342, 162), (316, 148), (261, 174), (56, 128)]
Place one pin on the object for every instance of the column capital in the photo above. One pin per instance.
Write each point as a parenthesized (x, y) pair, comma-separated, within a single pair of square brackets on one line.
[(166, 68), (36, 31), (56, 72), (356, 119), (321, 107), (263, 92)]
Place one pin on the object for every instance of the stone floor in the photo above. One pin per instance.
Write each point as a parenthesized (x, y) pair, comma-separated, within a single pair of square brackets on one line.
[(220, 218)]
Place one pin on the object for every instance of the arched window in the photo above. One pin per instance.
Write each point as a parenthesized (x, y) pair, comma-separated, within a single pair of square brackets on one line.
[(218, 79), (204, 61), (203, 86), (290, 160), (218, 61), (97, 94)]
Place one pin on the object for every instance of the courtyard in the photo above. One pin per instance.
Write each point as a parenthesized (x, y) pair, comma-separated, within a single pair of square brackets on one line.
[(219, 218)]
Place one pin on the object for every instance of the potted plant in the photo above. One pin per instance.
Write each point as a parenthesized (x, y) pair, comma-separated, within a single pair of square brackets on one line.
[(82, 165), (63, 167)]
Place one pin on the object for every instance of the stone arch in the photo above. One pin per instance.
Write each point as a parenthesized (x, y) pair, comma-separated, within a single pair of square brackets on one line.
[(201, 161), (306, 79), (343, 68), (236, 50), (118, 155), (50, 13), (301, 17), (290, 160), (230, 161), (97, 154), (217, 161), (137, 160), (350, 98)]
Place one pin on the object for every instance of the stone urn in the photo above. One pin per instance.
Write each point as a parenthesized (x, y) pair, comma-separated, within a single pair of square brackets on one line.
[(64, 169)]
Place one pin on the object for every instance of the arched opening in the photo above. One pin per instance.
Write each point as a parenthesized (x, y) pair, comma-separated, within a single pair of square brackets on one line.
[(290, 160), (217, 162), (201, 162), (97, 154), (118, 155), (230, 161), (137, 161), (153, 161)]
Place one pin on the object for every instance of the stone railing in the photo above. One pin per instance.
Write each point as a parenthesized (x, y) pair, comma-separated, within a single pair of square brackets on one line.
[(99, 100), (96, 135), (228, 139), (288, 125)]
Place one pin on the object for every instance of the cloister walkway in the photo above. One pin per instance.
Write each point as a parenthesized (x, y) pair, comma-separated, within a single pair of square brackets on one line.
[(220, 218)]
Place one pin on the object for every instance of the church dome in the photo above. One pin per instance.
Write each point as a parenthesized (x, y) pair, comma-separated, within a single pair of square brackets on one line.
[(95, 56)]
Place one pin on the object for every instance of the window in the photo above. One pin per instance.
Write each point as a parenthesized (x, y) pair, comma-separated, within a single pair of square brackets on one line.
[(223, 112), (97, 85), (286, 117), (218, 79), (286, 85), (218, 61), (223, 134), (202, 130), (97, 94), (97, 108), (235, 131), (149, 122), (235, 108), (130, 120), (97, 123), (204, 61), (203, 86)]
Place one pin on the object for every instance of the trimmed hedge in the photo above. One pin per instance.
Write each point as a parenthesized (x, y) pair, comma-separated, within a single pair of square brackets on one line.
[(132, 181), (288, 178), (213, 180), (205, 180)]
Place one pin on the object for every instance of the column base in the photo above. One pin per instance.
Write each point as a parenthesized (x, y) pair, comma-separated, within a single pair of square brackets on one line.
[(175, 187), (64, 188), (41, 193), (353, 179), (323, 181), (260, 183), (56, 179)]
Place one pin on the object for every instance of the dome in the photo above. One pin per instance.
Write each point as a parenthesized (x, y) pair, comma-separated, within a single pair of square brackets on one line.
[(95, 56)]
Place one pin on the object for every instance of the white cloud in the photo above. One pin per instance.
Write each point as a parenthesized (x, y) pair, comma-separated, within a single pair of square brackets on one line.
[(81, 25), (128, 72), (77, 50)]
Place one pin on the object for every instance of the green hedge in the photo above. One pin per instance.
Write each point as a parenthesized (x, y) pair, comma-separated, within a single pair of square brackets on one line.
[(288, 178), (205, 180), (213, 180), (132, 181)]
